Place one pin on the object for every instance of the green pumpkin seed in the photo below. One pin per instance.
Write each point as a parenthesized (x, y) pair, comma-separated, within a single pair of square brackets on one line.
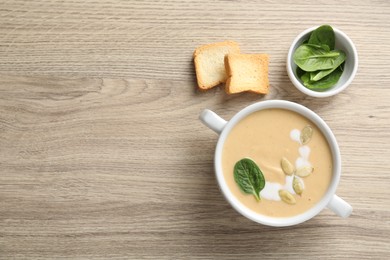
[(297, 185), (306, 134), (304, 171), (287, 197), (287, 167)]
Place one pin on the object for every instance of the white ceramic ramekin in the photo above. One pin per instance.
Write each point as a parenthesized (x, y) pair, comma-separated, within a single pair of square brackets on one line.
[(343, 42)]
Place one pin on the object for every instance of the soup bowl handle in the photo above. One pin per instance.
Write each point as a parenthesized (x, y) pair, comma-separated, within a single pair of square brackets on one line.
[(212, 120), (340, 206)]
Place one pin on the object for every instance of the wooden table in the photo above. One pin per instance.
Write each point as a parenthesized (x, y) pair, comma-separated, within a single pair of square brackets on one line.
[(102, 154)]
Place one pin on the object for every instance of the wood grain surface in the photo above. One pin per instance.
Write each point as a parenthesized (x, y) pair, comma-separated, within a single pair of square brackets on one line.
[(102, 154)]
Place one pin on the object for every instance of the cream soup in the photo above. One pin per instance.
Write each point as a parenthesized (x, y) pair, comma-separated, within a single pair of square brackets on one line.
[(266, 136)]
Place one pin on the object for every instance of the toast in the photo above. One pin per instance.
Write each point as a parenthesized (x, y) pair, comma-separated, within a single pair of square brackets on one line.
[(247, 72), (209, 63)]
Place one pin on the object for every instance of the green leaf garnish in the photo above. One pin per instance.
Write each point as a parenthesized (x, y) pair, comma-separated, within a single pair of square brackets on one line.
[(249, 177)]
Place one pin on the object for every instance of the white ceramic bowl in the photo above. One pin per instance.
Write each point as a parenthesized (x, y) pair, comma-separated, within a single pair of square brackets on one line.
[(329, 200), (343, 42)]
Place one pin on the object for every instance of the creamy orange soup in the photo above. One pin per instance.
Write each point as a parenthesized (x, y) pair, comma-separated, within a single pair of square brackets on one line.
[(266, 137)]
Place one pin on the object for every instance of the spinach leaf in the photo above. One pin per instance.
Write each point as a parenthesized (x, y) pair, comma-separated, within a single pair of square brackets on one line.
[(300, 72), (312, 58), (249, 177), (305, 78), (323, 35), (319, 65), (323, 46), (324, 83), (317, 75)]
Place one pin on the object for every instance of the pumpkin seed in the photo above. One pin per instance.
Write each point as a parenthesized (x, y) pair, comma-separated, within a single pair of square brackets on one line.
[(297, 185), (306, 134), (287, 197), (287, 167), (304, 171)]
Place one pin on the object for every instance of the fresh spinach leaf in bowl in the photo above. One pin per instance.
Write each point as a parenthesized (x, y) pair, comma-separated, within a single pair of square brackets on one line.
[(320, 66)]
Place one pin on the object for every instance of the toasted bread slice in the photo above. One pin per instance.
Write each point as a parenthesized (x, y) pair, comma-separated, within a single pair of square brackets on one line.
[(209, 63), (247, 72)]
